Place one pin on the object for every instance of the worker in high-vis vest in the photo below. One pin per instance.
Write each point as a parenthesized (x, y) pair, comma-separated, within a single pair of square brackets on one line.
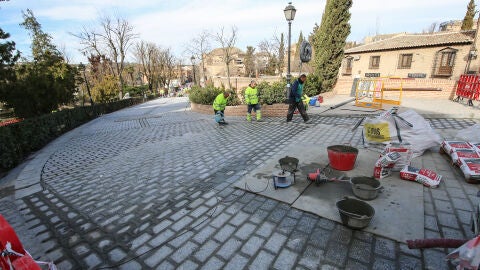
[(295, 100), (251, 98), (219, 105)]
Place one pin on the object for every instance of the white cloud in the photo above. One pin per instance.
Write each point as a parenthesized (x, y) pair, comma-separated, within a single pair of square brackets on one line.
[(255, 22), (60, 13), (372, 16)]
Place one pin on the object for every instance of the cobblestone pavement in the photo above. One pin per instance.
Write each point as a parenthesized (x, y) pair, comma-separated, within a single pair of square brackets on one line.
[(150, 187)]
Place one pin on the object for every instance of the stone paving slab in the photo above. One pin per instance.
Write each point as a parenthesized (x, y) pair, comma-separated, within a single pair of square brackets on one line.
[(151, 187), (429, 108), (399, 206), (260, 179)]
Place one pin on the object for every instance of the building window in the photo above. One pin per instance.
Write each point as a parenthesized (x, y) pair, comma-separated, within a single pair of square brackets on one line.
[(444, 62), (374, 62), (347, 66), (405, 61)]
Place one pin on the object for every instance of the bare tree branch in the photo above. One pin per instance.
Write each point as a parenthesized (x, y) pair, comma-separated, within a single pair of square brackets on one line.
[(146, 54), (118, 35), (272, 48), (113, 40), (199, 46), (158, 65), (227, 43)]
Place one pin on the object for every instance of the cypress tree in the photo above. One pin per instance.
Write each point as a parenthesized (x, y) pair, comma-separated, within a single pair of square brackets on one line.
[(467, 23), (299, 42), (249, 62), (8, 58), (329, 42)]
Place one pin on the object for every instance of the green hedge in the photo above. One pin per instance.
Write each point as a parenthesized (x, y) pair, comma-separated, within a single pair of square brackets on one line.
[(268, 93), (22, 138), (206, 95), (136, 91), (272, 93)]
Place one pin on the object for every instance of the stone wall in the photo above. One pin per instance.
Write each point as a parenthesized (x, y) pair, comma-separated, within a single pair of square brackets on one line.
[(241, 110)]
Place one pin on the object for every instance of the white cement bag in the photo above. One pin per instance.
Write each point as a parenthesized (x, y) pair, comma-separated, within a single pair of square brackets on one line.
[(476, 146), (470, 168), (378, 131), (449, 146), (463, 153), (421, 136), (388, 159), (405, 152), (426, 177)]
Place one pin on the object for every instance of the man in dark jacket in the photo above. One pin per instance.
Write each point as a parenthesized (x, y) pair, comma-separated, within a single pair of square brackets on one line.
[(295, 99)]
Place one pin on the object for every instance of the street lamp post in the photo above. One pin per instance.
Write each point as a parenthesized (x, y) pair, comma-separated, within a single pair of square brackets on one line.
[(193, 68), (289, 15)]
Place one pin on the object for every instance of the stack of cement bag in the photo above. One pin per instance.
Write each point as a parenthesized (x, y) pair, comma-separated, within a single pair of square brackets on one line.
[(465, 155)]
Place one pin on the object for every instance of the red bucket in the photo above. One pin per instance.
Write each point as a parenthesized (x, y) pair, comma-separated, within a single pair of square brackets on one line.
[(342, 157)]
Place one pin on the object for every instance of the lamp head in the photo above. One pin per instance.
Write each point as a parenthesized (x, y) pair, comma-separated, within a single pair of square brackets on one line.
[(290, 12)]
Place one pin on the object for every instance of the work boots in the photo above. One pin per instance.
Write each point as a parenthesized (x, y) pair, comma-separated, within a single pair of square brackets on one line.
[(259, 116)]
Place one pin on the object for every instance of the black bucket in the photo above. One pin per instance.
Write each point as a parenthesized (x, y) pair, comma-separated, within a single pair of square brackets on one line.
[(354, 213), (288, 164)]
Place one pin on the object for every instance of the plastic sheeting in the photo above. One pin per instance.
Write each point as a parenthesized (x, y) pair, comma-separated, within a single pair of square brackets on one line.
[(407, 127)]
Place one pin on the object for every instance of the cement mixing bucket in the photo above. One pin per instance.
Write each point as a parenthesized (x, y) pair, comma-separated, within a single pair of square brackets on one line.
[(365, 188), (354, 213), (342, 157)]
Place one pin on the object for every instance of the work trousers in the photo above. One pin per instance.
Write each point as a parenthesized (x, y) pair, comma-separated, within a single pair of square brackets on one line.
[(253, 107), (301, 109)]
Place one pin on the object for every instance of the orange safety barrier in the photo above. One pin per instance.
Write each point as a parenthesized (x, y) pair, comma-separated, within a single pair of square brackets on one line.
[(468, 86), (374, 92), (368, 93)]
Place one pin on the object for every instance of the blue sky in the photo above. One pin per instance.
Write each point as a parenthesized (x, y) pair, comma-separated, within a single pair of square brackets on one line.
[(173, 23)]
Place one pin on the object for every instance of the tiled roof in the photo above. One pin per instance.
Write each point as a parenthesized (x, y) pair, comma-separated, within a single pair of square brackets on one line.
[(404, 41)]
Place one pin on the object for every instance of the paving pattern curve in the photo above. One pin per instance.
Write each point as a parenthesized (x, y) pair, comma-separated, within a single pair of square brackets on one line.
[(150, 187)]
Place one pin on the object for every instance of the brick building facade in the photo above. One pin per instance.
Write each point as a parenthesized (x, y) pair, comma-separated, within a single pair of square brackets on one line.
[(430, 63)]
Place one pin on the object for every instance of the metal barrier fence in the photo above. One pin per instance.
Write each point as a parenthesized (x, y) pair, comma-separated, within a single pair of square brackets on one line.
[(374, 92), (468, 86)]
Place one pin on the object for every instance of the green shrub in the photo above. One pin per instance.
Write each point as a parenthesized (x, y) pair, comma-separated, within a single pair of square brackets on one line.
[(234, 100), (22, 138), (135, 91), (207, 95), (274, 93), (313, 86), (269, 93)]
